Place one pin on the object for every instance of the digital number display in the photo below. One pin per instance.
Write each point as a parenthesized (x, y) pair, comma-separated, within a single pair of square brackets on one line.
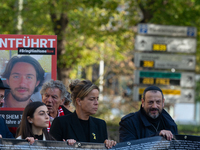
[(159, 47), (159, 81), (148, 81), (163, 81), (147, 63)]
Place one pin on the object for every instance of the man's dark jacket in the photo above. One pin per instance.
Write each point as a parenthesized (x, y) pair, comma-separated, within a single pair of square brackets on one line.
[(4, 129), (69, 127), (136, 126)]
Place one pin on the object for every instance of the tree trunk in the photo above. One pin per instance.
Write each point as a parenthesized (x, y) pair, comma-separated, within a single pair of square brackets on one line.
[(146, 9), (59, 27)]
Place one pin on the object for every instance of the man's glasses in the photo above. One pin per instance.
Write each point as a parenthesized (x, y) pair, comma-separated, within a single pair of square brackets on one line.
[(2, 97)]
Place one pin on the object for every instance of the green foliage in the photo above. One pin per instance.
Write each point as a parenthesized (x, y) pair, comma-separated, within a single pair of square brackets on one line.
[(189, 129), (94, 33), (8, 15), (96, 29), (92, 30)]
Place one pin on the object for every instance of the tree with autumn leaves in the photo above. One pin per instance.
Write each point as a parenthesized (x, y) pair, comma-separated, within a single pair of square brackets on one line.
[(92, 30)]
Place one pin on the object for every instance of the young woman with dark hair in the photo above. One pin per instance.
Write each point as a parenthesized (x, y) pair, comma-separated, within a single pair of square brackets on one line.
[(34, 123)]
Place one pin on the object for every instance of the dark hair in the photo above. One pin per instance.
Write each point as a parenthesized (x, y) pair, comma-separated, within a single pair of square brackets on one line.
[(80, 89), (25, 127), (154, 89), (27, 59)]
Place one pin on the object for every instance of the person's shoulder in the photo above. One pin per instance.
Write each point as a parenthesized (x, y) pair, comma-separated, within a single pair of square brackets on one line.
[(65, 116), (127, 116), (65, 110), (167, 116), (97, 119), (62, 119), (2, 119)]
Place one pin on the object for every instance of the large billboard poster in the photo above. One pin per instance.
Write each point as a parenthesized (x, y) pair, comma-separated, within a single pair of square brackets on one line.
[(26, 62)]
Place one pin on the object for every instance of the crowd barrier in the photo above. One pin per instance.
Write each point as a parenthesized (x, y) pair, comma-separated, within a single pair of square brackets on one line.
[(180, 142)]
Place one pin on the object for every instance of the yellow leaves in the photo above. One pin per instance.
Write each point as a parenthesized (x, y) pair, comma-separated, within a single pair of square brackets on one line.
[(6, 32), (197, 68), (81, 37)]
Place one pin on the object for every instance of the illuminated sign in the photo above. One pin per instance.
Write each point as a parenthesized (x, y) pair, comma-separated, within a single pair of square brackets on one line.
[(160, 74), (164, 61), (147, 77), (171, 95), (165, 44), (165, 91), (159, 47), (146, 63), (159, 81)]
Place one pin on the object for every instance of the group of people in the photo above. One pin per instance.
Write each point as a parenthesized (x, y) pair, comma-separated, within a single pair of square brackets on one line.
[(49, 119), (38, 117)]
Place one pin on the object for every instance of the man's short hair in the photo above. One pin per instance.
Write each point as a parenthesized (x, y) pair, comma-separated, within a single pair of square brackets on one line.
[(26, 59), (152, 88), (55, 84)]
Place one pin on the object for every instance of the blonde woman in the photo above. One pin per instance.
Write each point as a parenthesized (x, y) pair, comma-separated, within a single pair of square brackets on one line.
[(79, 125)]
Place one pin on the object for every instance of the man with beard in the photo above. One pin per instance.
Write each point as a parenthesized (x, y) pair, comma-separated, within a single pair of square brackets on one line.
[(23, 75), (150, 120)]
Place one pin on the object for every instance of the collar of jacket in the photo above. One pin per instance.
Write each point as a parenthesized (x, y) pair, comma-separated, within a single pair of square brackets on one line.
[(79, 130), (165, 117)]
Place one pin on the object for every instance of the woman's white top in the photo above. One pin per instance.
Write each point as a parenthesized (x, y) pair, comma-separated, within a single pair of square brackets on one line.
[(44, 138)]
